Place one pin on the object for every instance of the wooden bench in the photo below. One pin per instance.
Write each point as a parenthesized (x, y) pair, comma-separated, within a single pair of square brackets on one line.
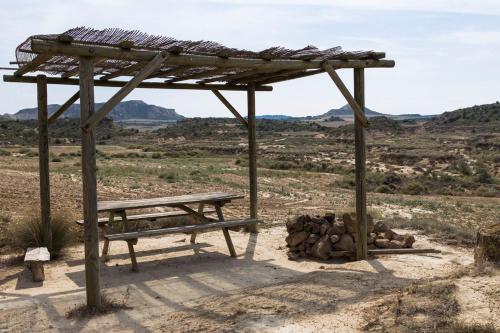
[(34, 258), (103, 221)]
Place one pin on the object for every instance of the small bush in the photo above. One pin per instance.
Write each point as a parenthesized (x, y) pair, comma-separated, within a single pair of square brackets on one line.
[(156, 155), (384, 189), (4, 152), (170, 177), (483, 176), (56, 159), (28, 232)]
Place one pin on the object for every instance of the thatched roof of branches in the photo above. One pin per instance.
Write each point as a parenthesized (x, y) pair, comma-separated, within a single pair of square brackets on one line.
[(108, 68)]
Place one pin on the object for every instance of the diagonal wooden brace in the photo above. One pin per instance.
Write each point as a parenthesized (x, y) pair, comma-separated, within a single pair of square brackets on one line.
[(230, 107), (358, 112), (53, 117), (125, 90)]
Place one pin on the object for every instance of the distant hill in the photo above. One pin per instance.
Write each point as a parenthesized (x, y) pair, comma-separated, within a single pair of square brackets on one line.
[(275, 117), (346, 112), (477, 114), (124, 111)]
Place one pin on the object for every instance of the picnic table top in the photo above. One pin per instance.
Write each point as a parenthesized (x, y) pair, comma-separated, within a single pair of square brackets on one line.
[(210, 197)]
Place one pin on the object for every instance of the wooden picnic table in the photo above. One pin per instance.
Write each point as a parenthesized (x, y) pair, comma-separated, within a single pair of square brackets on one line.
[(181, 202)]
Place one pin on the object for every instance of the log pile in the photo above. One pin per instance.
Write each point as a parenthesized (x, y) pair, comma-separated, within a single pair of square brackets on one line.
[(323, 237)]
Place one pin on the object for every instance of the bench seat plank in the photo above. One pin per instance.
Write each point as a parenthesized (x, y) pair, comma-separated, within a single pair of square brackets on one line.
[(211, 197), (180, 229), (37, 254), (144, 217)]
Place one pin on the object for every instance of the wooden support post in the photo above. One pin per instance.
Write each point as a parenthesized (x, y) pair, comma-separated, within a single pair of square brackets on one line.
[(356, 108), (43, 158), (230, 107), (91, 230), (252, 155), (360, 164), (64, 107), (125, 90)]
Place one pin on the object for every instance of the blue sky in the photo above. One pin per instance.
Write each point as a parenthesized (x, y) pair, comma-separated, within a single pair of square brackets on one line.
[(447, 52)]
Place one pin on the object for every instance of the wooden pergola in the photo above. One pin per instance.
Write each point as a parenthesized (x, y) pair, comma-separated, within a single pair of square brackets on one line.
[(97, 57)]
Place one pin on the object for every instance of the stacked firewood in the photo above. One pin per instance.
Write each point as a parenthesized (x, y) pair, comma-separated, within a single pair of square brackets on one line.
[(323, 237)]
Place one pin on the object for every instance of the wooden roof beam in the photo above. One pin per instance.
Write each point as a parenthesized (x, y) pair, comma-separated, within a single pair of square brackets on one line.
[(77, 50), (64, 107), (230, 107), (33, 65), (289, 77), (125, 90), (358, 112), (197, 75), (76, 70), (125, 71), (148, 85), (232, 76), (266, 76)]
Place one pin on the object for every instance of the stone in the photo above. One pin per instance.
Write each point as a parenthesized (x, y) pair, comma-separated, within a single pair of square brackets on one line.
[(292, 255), (313, 238), (330, 217), (390, 235), (296, 238), (371, 238), (408, 241), (349, 223), (338, 228), (308, 226), (380, 227), (345, 243), (334, 238), (315, 228), (322, 248), (324, 229), (369, 223), (394, 244), (382, 243), (295, 224)]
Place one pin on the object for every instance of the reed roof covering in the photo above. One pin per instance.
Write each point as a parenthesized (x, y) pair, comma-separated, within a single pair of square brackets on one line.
[(66, 66)]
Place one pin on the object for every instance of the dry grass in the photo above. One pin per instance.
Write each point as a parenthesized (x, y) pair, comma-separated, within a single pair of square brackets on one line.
[(28, 232), (108, 305), (427, 307)]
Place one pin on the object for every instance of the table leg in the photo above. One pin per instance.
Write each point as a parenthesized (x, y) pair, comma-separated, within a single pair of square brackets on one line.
[(135, 267), (200, 210), (130, 242), (105, 248), (225, 231)]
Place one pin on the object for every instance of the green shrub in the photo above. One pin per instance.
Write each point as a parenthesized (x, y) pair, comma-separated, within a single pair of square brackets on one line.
[(415, 189), (4, 152), (483, 176), (384, 189), (156, 155), (170, 177), (464, 168), (28, 232), (56, 159)]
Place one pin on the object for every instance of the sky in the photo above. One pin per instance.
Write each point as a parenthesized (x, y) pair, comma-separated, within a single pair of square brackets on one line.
[(447, 52)]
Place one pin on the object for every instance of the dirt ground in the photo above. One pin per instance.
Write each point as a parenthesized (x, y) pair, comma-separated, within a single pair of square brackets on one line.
[(199, 288)]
